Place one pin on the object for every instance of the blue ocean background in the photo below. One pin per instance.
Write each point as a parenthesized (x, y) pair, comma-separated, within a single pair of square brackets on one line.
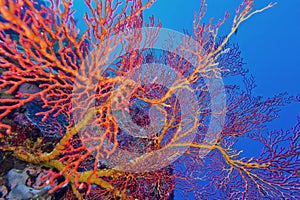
[(269, 42)]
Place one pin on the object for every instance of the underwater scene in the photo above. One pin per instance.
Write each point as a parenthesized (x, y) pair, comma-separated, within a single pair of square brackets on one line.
[(149, 99)]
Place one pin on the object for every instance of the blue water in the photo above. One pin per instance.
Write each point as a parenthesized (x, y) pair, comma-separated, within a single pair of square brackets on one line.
[(269, 43)]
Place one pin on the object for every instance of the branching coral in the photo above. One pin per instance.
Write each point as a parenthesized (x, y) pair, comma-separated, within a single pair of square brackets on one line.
[(105, 98)]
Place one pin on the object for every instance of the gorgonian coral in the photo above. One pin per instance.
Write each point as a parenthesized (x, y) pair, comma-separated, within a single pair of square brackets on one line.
[(117, 118)]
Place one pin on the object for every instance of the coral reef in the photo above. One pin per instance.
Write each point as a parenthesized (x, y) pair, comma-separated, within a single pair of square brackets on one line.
[(111, 117)]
